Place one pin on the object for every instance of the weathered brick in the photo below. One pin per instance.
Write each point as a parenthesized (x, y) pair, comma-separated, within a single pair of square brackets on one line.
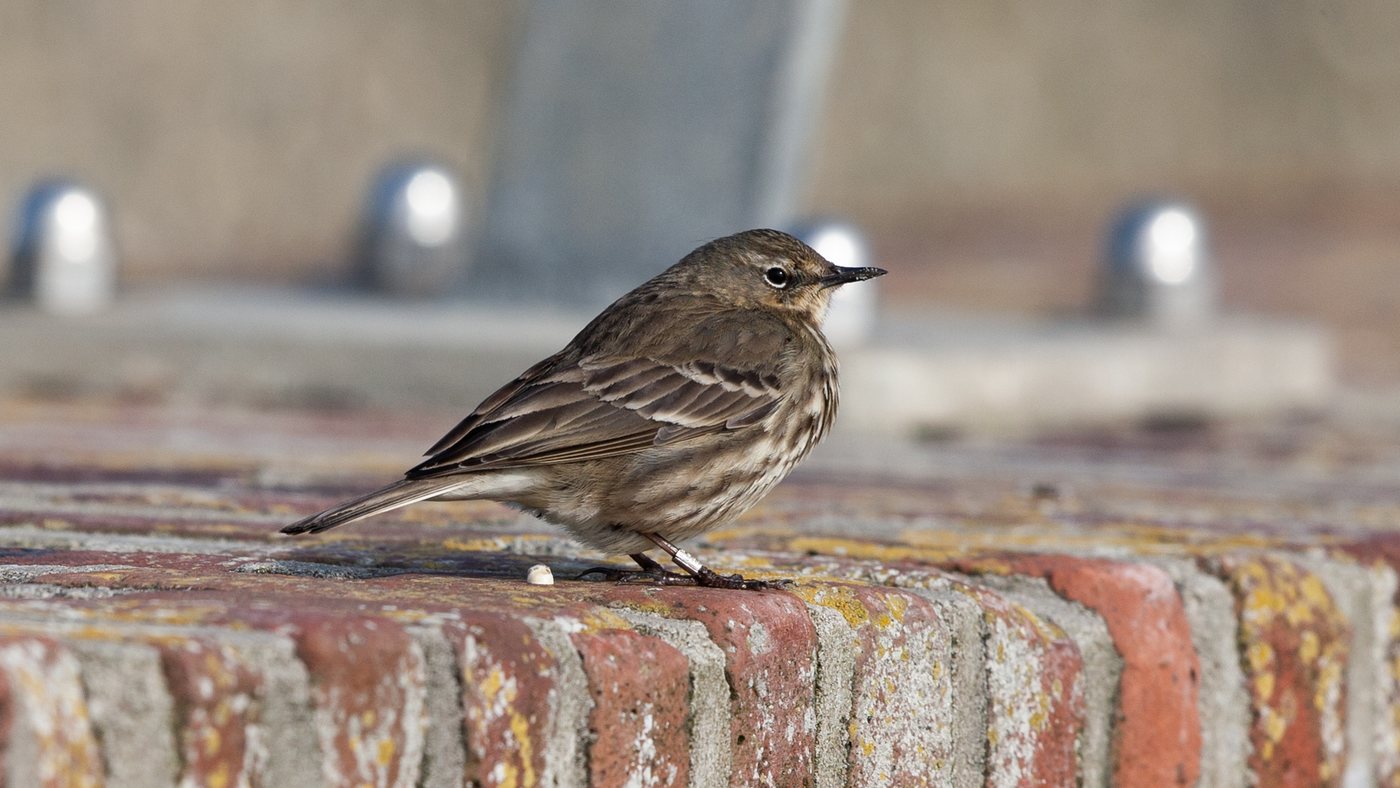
[(48, 740), (215, 695), (1035, 696), (367, 686), (1157, 725), (770, 645), (640, 689), (901, 715), (507, 683), (1294, 642)]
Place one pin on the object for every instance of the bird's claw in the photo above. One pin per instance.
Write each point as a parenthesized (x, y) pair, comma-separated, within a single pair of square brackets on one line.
[(711, 579), (705, 578)]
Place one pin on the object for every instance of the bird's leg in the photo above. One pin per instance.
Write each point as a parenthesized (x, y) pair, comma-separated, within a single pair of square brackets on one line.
[(650, 571), (704, 576)]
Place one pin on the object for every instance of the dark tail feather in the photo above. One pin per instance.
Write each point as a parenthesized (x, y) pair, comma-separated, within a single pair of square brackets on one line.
[(400, 493)]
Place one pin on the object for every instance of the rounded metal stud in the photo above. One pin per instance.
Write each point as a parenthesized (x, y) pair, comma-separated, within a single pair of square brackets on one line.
[(1159, 268), (854, 309), (64, 259), (415, 237)]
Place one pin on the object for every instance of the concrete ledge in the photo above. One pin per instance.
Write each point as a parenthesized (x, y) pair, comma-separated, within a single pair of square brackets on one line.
[(337, 350), (1143, 627)]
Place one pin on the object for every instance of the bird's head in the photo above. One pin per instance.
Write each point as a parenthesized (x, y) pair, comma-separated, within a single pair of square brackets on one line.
[(768, 269)]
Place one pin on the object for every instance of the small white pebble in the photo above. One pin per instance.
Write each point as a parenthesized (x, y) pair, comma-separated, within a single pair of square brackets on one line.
[(540, 576)]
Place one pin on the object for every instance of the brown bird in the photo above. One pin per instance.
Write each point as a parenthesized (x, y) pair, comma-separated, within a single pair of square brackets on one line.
[(676, 409)]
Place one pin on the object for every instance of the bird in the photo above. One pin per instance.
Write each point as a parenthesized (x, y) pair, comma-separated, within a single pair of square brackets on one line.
[(675, 410)]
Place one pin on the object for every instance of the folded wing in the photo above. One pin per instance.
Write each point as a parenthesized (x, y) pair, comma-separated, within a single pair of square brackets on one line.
[(603, 406)]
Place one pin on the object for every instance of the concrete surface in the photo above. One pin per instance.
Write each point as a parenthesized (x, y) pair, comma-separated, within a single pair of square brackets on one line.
[(285, 348), (1205, 606)]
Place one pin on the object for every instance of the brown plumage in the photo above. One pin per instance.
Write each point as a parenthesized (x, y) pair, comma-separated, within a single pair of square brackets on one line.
[(677, 408)]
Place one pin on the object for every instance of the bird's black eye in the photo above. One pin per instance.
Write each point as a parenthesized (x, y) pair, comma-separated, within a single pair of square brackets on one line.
[(777, 277)]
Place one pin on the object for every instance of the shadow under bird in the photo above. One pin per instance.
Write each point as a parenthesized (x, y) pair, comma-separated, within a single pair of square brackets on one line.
[(675, 410)]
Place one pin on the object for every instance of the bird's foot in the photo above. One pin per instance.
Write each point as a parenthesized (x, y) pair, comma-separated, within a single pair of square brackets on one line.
[(703, 576), (709, 578)]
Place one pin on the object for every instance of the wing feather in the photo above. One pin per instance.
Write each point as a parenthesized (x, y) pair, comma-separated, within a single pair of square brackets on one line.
[(575, 406)]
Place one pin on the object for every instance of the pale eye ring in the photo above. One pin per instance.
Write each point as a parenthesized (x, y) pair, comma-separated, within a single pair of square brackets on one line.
[(777, 277)]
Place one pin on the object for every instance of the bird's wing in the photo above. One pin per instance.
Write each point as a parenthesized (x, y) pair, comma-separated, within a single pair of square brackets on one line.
[(604, 405)]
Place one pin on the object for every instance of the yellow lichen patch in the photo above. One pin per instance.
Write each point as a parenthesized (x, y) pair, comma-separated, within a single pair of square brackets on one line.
[(1139, 537), (1294, 641), (1314, 592), (386, 752), (653, 606), (1043, 627), (1264, 685), (493, 682), (603, 619), (1260, 656), (520, 729), (1041, 716), (897, 605), (838, 598), (748, 531), (1308, 646), (755, 562)]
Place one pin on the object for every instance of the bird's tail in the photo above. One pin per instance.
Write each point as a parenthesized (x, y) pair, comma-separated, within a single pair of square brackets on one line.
[(400, 493)]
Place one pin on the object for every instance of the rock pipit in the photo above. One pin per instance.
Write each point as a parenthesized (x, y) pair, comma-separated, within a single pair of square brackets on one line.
[(676, 409)]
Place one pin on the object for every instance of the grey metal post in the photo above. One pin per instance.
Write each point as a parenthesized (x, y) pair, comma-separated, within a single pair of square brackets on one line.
[(1159, 269), (414, 239), (64, 258)]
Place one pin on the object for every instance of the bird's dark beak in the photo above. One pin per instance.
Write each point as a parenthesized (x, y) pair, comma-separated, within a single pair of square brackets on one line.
[(842, 276)]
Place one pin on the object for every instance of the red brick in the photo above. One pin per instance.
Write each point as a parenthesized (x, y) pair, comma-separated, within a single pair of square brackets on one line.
[(1158, 727), (367, 687), (1035, 696), (1295, 644), (215, 696), (507, 681), (770, 644), (42, 702), (640, 687)]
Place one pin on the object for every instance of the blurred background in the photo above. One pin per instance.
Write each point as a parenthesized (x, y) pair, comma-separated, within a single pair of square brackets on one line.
[(246, 157)]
